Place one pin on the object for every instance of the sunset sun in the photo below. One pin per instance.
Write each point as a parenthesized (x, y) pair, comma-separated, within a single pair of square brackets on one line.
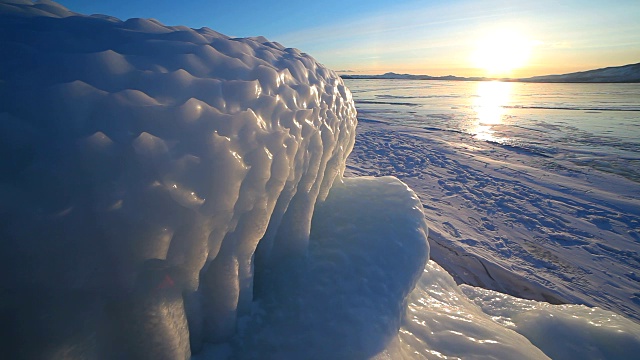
[(499, 54)]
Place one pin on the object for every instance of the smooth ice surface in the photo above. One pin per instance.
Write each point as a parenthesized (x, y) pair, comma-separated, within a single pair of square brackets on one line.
[(444, 320), (562, 331), (441, 322), (168, 192)]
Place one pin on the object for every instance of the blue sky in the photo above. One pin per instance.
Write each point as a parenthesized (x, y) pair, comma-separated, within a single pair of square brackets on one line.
[(420, 37)]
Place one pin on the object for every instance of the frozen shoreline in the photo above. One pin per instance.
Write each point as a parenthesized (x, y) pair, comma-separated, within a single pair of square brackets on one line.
[(172, 193), (507, 220)]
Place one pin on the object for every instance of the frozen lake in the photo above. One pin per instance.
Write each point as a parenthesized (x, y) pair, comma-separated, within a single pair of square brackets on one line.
[(528, 189), (596, 125)]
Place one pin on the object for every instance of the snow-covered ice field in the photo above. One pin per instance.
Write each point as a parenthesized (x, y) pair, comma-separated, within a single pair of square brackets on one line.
[(511, 207), (174, 193)]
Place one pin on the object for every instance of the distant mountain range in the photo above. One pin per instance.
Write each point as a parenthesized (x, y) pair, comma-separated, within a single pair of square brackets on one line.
[(615, 74), (626, 73)]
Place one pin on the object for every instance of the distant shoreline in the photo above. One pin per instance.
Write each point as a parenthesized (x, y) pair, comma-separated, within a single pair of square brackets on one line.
[(617, 74), (377, 77)]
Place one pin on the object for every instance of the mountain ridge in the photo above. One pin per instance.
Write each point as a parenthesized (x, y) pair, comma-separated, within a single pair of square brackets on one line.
[(629, 73)]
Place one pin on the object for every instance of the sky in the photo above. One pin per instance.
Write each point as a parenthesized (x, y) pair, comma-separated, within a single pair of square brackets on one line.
[(456, 37)]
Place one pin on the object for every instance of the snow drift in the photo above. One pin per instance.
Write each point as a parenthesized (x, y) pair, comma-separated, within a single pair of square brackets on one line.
[(168, 192)]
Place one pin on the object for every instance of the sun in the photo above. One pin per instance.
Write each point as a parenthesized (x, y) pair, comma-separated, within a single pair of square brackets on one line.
[(500, 53)]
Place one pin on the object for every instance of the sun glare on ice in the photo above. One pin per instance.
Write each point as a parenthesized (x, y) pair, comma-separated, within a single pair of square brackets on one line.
[(489, 104), (500, 53)]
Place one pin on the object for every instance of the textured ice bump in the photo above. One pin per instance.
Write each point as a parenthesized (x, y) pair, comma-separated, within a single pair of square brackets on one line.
[(141, 166)]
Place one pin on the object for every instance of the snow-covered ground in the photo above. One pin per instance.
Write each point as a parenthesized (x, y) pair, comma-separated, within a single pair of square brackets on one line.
[(171, 193), (506, 219)]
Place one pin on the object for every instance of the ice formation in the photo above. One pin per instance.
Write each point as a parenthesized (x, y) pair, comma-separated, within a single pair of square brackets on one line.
[(594, 333), (168, 192), (142, 164)]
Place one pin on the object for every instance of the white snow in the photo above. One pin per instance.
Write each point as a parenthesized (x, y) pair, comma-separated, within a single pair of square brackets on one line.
[(168, 192), (503, 219)]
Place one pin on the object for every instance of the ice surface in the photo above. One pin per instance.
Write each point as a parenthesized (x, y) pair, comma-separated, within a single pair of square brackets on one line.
[(444, 320), (442, 323), (562, 331), (346, 300), (168, 192), (506, 218)]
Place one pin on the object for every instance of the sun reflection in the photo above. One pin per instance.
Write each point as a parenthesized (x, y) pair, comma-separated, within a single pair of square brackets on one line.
[(492, 97)]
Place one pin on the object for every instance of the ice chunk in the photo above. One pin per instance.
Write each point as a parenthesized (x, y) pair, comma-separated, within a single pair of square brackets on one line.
[(146, 163), (441, 322), (562, 331), (444, 320), (346, 299)]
